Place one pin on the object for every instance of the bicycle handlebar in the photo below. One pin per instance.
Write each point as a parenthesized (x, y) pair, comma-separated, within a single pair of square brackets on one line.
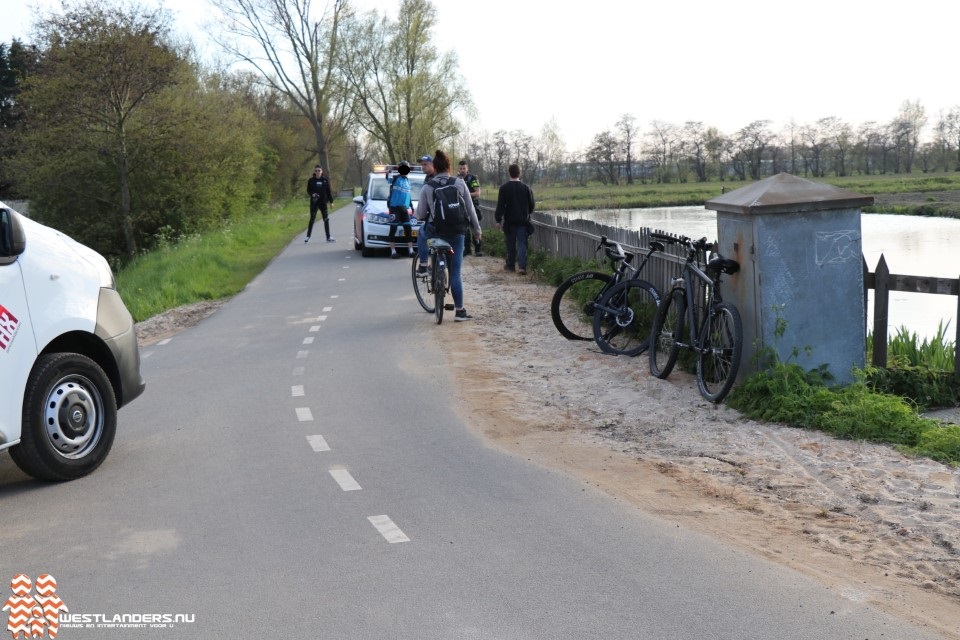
[(684, 240), (605, 242)]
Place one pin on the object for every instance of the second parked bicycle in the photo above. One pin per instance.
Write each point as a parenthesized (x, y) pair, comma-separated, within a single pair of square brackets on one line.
[(694, 316)]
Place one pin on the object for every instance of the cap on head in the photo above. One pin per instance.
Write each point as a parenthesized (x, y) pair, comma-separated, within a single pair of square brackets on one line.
[(426, 159)]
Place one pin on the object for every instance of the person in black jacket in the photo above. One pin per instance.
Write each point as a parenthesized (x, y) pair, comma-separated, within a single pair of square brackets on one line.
[(514, 206), (318, 188)]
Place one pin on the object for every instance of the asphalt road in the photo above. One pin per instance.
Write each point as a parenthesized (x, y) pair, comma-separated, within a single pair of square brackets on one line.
[(295, 469)]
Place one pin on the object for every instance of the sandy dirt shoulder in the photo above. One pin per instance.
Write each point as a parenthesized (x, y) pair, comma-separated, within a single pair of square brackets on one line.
[(872, 524)]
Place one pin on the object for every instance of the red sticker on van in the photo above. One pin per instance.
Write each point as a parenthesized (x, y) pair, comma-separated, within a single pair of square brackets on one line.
[(8, 328)]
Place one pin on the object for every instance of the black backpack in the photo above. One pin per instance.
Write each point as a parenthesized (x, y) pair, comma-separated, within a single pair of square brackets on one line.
[(449, 209)]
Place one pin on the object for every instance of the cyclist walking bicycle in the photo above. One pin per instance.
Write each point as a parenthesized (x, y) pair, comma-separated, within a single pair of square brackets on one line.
[(446, 207)]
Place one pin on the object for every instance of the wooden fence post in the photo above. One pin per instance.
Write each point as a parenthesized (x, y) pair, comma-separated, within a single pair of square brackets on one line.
[(881, 304)]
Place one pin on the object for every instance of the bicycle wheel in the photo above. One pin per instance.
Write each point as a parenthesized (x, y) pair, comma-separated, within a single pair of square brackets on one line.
[(721, 341), (572, 304), (623, 317), (439, 291), (421, 285), (667, 330)]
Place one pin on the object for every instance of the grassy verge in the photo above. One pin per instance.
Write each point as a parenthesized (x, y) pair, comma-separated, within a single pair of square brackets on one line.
[(208, 267)]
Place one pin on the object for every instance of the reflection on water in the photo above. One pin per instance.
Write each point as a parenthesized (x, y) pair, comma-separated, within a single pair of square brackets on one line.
[(911, 245)]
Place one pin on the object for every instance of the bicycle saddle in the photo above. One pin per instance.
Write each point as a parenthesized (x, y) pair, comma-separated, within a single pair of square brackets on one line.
[(723, 265), (438, 243)]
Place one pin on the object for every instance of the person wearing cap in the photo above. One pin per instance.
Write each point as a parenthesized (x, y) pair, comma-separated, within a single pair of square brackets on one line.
[(425, 212), (473, 186), (426, 163), (318, 188), (399, 203)]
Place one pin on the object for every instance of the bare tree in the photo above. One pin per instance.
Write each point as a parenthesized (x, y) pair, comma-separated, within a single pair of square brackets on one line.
[(906, 129), (554, 151), (953, 129), (661, 140), (293, 47), (751, 142), (695, 136), (628, 134)]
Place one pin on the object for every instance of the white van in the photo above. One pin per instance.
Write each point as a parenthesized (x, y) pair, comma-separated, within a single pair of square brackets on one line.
[(68, 351)]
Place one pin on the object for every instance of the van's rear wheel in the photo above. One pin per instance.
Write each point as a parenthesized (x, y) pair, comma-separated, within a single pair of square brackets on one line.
[(69, 418)]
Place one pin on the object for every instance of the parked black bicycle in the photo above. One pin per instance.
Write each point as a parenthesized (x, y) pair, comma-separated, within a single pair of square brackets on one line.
[(694, 316), (623, 315), (573, 302)]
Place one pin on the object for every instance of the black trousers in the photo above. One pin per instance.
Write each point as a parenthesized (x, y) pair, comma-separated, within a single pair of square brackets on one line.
[(316, 205)]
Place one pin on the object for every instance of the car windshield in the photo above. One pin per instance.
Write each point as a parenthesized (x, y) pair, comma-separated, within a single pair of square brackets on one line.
[(380, 188)]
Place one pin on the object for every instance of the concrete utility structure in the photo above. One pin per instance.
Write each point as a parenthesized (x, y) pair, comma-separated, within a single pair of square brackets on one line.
[(799, 245)]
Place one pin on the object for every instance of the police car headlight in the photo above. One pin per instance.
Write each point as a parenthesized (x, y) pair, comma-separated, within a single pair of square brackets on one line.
[(379, 218)]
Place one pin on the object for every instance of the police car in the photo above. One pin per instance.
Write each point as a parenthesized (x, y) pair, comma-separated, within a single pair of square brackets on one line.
[(68, 351), (373, 220)]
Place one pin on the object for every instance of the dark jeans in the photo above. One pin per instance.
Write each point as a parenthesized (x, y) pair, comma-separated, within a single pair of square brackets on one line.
[(516, 241), (316, 205)]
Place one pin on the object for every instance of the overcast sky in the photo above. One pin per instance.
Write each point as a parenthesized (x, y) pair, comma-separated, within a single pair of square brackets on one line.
[(726, 64)]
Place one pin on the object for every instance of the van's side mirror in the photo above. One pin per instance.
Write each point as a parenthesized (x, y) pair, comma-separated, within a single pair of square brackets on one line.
[(13, 241)]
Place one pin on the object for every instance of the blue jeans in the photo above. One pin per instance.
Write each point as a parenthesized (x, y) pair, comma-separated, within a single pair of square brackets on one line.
[(456, 261), (516, 241)]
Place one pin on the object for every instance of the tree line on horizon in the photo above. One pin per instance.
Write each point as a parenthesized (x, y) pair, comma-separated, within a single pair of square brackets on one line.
[(122, 138)]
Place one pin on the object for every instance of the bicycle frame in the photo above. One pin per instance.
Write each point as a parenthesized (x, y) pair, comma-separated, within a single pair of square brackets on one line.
[(654, 246), (697, 315)]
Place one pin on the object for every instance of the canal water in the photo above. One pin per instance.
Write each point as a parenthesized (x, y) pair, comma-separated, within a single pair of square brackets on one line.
[(911, 245)]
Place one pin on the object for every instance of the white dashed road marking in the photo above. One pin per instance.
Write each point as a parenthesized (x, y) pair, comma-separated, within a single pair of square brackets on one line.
[(345, 480), (296, 390), (302, 354), (165, 341), (318, 443), (314, 328), (327, 309), (304, 414), (308, 340), (390, 531)]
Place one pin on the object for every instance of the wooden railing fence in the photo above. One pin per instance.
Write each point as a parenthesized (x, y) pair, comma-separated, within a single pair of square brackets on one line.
[(883, 282)]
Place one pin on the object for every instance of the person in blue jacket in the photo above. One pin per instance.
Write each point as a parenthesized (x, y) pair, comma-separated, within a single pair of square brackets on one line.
[(399, 205)]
